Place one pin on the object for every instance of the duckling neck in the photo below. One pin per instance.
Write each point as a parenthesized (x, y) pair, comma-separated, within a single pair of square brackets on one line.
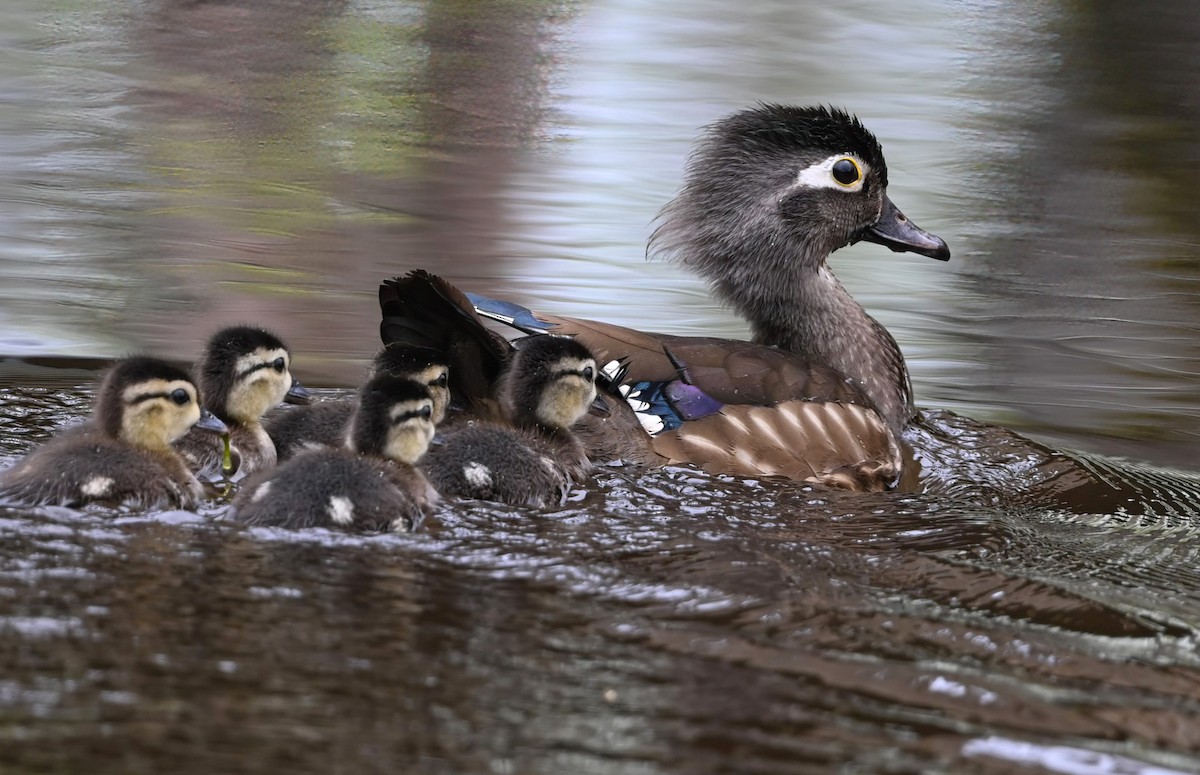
[(812, 315)]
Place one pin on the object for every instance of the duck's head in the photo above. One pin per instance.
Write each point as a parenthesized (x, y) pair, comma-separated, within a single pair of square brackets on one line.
[(150, 403), (394, 418), (425, 365), (243, 372), (551, 381), (787, 185)]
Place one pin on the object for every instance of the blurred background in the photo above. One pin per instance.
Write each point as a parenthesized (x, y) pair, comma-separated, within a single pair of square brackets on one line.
[(168, 166)]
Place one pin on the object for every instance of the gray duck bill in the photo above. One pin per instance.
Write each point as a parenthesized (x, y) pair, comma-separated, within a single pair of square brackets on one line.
[(893, 230)]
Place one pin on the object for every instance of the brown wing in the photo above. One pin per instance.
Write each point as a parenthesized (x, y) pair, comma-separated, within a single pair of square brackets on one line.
[(838, 444), (729, 370)]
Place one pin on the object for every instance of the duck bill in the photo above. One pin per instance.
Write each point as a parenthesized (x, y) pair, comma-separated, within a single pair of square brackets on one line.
[(210, 422), (297, 394), (894, 231)]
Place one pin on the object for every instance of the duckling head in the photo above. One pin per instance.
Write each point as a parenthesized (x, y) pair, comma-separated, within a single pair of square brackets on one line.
[(424, 365), (149, 403), (394, 419), (771, 191), (551, 382), (243, 372)]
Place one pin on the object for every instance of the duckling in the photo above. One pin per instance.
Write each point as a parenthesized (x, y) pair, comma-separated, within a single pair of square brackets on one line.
[(822, 394), (123, 456), (368, 484), (326, 423), (243, 372), (549, 384)]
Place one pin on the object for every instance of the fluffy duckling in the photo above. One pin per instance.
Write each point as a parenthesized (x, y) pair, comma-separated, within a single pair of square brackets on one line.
[(123, 456), (369, 484), (326, 423), (549, 385), (243, 372)]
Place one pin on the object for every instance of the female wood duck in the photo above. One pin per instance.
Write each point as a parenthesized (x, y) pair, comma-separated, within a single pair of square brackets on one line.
[(123, 456), (822, 392), (326, 423), (532, 458), (243, 372), (370, 484)]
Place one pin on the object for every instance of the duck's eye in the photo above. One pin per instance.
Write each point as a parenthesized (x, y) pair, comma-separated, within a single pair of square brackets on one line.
[(589, 373), (846, 172), (280, 364), (180, 396)]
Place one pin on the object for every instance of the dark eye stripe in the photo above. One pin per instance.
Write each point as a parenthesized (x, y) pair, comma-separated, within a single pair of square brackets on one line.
[(425, 411), (572, 372), (257, 367), (141, 397)]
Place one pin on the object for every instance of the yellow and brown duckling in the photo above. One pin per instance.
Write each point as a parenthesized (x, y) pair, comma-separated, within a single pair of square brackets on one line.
[(243, 371), (369, 484), (123, 456), (326, 423), (550, 383)]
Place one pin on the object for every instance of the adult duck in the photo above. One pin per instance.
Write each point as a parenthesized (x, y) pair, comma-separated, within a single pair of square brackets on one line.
[(821, 393)]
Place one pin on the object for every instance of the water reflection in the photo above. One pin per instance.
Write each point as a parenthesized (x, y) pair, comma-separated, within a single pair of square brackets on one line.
[(611, 636), (171, 165), (1083, 300)]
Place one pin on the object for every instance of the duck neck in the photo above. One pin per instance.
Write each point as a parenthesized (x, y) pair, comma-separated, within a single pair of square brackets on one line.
[(804, 309)]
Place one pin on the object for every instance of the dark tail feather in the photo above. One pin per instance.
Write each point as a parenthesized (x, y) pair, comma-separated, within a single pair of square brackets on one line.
[(422, 309)]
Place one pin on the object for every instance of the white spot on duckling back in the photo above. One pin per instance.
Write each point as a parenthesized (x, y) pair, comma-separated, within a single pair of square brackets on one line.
[(97, 486), (477, 475), (341, 510), (261, 492)]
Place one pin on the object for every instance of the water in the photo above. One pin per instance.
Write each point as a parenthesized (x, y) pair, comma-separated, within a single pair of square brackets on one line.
[(171, 166)]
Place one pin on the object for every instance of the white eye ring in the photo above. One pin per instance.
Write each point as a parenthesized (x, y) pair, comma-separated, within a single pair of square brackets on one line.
[(821, 174)]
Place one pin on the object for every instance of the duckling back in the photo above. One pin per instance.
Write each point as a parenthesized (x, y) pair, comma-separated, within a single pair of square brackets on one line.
[(124, 455), (370, 484)]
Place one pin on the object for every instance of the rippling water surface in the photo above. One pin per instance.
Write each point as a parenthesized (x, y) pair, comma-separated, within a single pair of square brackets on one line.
[(169, 166)]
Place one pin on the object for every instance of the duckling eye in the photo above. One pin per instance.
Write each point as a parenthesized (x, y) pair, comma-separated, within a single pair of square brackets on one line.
[(180, 396), (846, 172), (425, 412), (441, 380), (280, 364), (589, 373)]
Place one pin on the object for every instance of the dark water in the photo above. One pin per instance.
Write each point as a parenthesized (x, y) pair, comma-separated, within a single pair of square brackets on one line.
[(166, 167)]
